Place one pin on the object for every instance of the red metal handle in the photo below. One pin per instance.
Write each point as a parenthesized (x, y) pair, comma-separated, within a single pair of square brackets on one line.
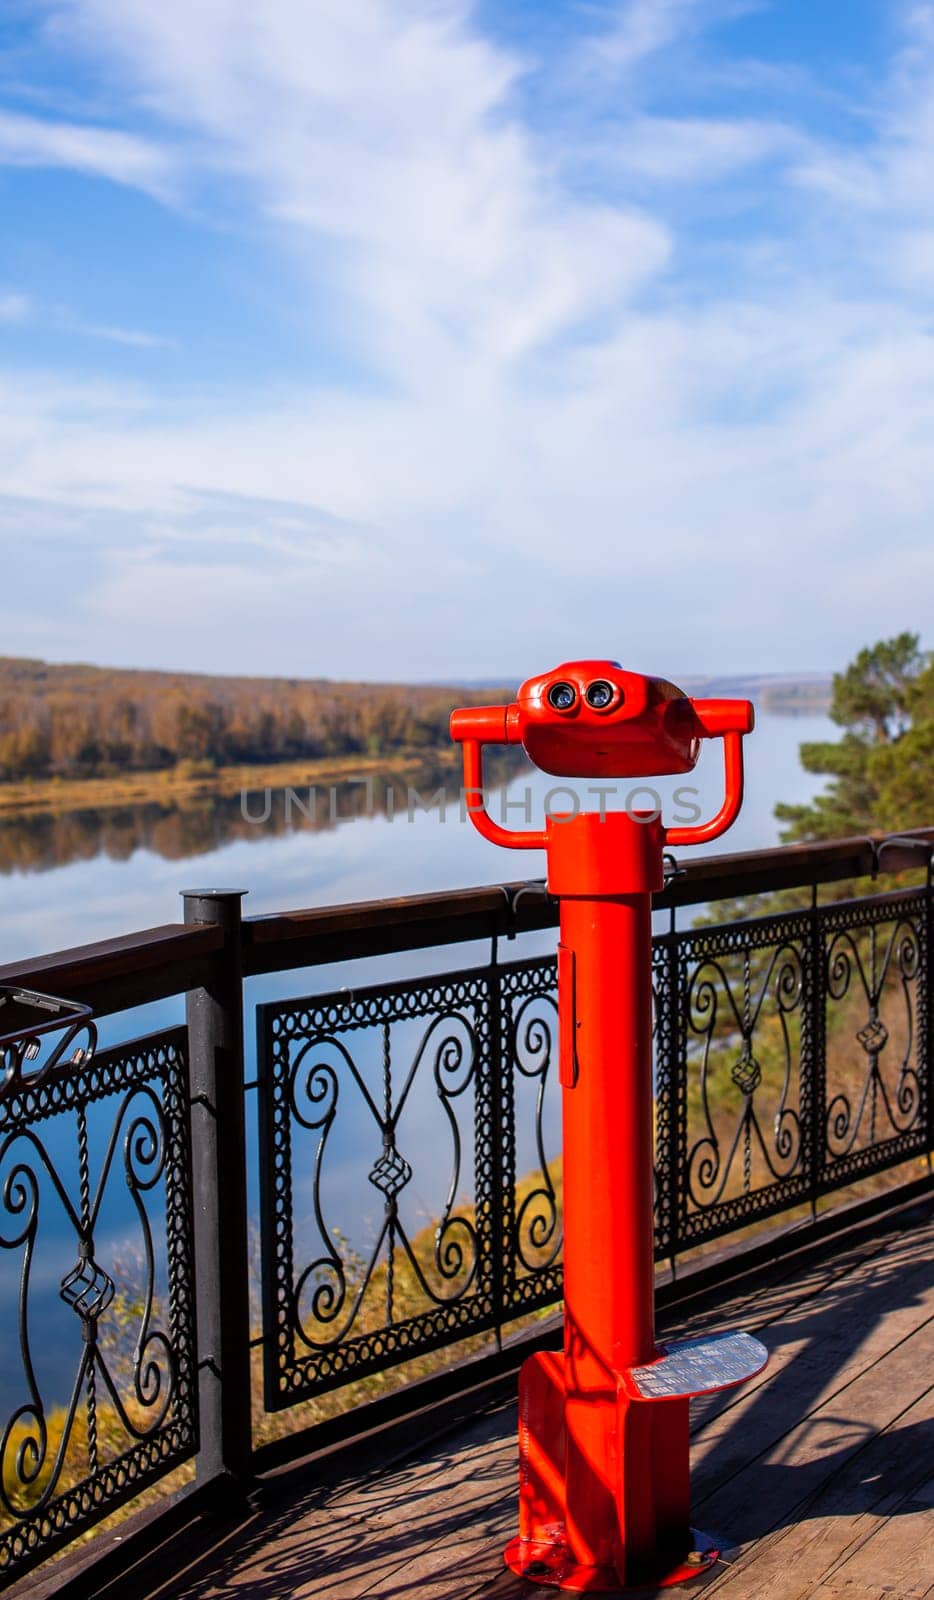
[(733, 798), (473, 727), (513, 838), (483, 724), (717, 717)]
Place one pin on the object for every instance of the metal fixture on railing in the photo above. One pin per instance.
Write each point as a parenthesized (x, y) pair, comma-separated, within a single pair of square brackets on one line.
[(29, 1019)]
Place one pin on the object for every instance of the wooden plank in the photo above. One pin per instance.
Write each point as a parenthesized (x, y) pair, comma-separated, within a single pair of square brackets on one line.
[(459, 1565), (439, 1448), (869, 1495), (827, 1592), (786, 1252), (108, 958), (826, 1294), (339, 1543), (309, 937), (381, 927), (420, 1533), (432, 1573), (463, 1565), (760, 871), (898, 1553), (468, 1557), (784, 1477), (433, 1527), (817, 1357), (789, 1288)]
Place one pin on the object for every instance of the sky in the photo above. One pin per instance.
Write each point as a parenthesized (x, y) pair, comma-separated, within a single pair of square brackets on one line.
[(420, 339)]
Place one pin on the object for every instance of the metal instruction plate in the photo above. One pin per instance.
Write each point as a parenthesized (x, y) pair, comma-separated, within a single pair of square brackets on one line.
[(698, 1366)]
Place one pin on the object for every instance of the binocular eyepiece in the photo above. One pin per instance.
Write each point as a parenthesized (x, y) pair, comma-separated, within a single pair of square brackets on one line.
[(562, 696), (593, 719), (599, 695)]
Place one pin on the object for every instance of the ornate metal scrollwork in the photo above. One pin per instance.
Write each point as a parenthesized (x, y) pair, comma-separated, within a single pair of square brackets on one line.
[(534, 1028), (316, 1055), (734, 1074), (138, 1092), (871, 968), (794, 1055), (329, 1066), (734, 1059), (749, 1017)]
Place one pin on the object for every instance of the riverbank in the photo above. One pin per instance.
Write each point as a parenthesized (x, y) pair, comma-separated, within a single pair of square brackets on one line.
[(190, 780)]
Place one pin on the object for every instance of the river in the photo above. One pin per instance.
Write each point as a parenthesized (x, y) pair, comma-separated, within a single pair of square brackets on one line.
[(72, 880)]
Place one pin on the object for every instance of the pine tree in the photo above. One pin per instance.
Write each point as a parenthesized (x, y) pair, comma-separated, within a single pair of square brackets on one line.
[(882, 770)]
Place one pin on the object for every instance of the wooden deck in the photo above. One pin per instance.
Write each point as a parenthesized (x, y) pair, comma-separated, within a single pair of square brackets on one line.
[(818, 1476)]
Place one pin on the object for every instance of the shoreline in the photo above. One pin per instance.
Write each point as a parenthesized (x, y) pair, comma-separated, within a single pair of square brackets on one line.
[(56, 796)]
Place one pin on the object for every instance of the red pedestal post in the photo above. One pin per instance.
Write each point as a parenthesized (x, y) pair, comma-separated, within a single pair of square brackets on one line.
[(604, 1490)]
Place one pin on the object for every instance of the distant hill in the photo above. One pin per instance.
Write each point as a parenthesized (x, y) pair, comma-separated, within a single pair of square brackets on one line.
[(773, 691), (75, 720)]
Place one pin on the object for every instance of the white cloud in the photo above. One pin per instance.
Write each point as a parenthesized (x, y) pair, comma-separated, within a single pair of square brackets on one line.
[(890, 172), (14, 307), (637, 31), (910, 255), (697, 149), (124, 158), (135, 338), (389, 131), (640, 29), (569, 446), (640, 493)]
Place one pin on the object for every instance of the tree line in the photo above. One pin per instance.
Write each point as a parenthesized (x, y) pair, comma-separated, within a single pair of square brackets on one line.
[(83, 721), (882, 768)]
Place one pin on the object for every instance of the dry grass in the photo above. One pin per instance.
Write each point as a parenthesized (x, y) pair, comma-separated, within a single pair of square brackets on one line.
[(189, 779)]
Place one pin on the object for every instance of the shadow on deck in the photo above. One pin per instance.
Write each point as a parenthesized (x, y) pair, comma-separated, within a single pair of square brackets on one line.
[(818, 1476)]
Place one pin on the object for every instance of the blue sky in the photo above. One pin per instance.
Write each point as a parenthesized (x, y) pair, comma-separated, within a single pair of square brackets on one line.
[(410, 338)]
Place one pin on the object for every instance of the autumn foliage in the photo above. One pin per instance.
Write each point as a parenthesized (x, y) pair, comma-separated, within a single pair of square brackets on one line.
[(84, 721)]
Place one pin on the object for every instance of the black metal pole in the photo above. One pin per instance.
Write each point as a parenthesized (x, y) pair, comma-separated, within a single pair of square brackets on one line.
[(928, 976), (215, 1035)]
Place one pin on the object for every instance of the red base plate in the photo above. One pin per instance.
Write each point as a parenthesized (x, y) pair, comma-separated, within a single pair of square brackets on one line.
[(549, 1562)]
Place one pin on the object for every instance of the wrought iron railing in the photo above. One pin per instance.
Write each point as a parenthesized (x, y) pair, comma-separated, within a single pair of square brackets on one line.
[(800, 1059), (408, 1148), (425, 1075), (791, 1059), (75, 1126)]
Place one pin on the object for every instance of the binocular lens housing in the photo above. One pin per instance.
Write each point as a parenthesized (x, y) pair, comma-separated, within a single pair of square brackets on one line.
[(599, 694), (562, 696)]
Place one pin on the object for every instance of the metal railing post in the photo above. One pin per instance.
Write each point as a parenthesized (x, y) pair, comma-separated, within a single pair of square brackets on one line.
[(813, 1055), (671, 1102), (215, 1035), (928, 1047), (500, 1210)]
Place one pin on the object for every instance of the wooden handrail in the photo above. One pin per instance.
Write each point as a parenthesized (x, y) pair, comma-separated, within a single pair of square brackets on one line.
[(155, 962), (113, 974)]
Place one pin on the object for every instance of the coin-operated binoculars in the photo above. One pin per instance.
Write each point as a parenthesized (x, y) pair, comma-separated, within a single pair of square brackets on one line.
[(604, 1490)]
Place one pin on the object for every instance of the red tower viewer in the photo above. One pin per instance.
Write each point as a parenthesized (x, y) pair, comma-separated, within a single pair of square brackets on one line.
[(604, 1491)]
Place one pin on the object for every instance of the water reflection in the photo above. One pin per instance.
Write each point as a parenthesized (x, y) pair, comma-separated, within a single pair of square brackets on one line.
[(197, 824)]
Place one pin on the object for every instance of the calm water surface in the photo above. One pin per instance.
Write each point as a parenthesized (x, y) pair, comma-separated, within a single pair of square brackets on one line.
[(90, 878)]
